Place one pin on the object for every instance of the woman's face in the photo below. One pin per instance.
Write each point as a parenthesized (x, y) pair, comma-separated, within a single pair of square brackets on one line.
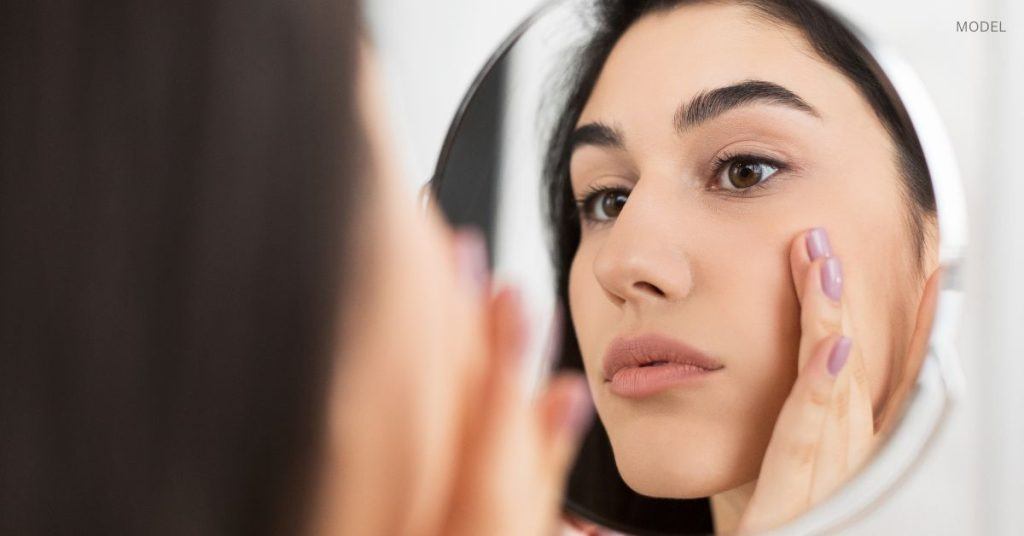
[(730, 136)]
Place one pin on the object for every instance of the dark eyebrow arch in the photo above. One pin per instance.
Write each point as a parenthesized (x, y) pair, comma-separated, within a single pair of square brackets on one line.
[(707, 105), (598, 134)]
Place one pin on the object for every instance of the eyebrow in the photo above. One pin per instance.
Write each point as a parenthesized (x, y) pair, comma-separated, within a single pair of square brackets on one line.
[(707, 105), (704, 107), (597, 134)]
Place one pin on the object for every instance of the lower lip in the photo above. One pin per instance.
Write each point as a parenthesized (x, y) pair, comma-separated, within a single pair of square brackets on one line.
[(638, 382)]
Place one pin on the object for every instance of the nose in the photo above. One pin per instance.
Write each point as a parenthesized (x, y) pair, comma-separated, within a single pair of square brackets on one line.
[(645, 257)]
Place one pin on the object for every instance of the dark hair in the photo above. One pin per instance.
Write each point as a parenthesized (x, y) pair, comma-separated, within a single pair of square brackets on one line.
[(595, 488), (171, 226)]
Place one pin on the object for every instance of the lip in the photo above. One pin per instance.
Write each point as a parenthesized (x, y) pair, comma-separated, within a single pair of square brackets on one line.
[(636, 367)]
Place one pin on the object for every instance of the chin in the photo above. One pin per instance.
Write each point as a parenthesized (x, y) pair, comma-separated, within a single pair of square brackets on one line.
[(674, 459)]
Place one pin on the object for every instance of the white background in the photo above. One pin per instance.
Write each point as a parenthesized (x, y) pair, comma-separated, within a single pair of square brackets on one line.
[(972, 481)]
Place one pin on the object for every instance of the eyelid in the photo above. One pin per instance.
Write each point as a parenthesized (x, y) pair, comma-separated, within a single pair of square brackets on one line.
[(752, 151), (601, 163)]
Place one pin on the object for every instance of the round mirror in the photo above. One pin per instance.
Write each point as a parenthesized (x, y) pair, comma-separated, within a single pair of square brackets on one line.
[(742, 221)]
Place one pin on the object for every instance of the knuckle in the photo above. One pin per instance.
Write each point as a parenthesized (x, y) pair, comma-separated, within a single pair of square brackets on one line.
[(826, 322), (820, 319), (817, 399), (802, 452)]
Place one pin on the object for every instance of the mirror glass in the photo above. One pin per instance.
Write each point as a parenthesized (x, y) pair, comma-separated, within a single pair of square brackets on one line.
[(729, 213)]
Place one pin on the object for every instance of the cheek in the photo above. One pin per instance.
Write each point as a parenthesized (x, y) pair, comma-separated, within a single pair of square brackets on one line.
[(753, 318), (743, 280), (592, 312), (880, 299), (758, 316), (870, 233)]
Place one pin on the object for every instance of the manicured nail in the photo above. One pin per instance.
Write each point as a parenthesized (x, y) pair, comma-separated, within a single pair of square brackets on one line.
[(840, 351), (580, 412), (832, 278), (471, 250), (817, 244)]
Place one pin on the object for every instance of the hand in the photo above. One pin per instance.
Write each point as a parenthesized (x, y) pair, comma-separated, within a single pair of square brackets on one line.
[(826, 428), (516, 451)]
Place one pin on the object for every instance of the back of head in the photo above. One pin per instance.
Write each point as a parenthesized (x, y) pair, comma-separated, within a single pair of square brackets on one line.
[(171, 226)]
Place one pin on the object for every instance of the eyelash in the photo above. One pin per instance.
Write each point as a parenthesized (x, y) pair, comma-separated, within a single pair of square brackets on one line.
[(594, 193), (591, 195)]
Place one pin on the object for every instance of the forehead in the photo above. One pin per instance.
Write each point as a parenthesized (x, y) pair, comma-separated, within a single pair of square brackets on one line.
[(667, 57)]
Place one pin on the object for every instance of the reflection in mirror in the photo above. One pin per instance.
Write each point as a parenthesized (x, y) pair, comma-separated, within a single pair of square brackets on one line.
[(733, 210)]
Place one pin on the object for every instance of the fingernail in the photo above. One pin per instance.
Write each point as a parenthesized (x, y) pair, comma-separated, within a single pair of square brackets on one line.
[(817, 244), (580, 412), (832, 278), (471, 250), (840, 351)]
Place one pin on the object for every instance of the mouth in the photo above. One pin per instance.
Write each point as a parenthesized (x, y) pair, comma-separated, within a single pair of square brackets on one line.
[(637, 367)]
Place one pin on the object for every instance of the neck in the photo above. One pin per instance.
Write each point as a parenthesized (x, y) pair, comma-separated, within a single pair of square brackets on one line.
[(728, 506)]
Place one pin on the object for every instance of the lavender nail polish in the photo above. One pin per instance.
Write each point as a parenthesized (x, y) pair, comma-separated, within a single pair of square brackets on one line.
[(840, 351), (471, 249), (817, 244), (832, 278)]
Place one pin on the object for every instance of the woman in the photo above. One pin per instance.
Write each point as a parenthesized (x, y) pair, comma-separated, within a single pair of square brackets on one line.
[(208, 322), (745, 228)]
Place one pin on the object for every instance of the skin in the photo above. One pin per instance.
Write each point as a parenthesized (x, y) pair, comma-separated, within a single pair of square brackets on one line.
[(428, 428), (722, 271)]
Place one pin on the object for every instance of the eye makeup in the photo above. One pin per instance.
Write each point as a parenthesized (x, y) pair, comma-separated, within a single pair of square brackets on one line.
[(601, 203), (744, 174)]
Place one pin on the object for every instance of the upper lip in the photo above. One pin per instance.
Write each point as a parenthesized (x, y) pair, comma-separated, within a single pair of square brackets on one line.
[(638, 351)]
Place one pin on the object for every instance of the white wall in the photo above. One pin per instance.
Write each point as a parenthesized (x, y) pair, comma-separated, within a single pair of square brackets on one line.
[(972, 482)]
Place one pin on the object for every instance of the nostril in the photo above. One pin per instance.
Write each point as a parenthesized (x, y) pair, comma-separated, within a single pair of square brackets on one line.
[(644, 286)]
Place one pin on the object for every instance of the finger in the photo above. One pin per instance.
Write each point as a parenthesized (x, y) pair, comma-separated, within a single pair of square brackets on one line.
[(831, 457), (565, 411), (498, 455), (861, 411), (820, 288), (808, 246), (524, 448), (498, 406), (848, 431), (473, 307), (820, 310), (507, 337), (788, 464), (470, 250), (848, 428)]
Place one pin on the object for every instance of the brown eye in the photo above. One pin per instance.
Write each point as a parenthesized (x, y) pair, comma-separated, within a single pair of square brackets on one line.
[(604, 205), (742, 174)]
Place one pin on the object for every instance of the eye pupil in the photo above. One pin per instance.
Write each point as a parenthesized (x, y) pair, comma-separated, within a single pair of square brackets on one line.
[(612, 203), (744, 174)]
